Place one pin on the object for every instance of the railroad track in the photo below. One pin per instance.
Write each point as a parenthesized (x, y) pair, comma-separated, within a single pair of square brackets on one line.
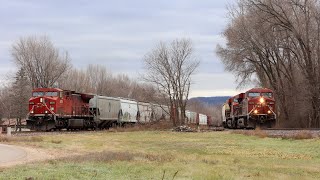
[(38, 133), (275, 131), (293, 129)]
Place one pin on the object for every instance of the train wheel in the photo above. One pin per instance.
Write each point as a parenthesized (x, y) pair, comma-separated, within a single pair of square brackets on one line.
[(224, 124), (229, 123), (271, 124)]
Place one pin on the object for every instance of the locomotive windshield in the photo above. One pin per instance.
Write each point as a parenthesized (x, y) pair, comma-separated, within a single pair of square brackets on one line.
[(253, 94), (37, 94), (51, 94), (268, 94)]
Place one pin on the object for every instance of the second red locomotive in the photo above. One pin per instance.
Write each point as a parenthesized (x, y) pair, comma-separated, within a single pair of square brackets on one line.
[(255, 107)]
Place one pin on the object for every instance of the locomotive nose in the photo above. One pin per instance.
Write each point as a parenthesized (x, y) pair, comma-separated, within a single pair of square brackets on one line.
[(41, 105)]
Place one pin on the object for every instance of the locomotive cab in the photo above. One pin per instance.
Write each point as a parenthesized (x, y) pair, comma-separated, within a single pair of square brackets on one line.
[(261, 107), (42, 108), (53, 108)]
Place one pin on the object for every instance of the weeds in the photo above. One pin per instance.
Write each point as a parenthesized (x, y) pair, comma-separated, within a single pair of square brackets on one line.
[(236, 160), (29, 178), (21, 139), (152, 126), (35, 139), (5, 139), (256, 132), (211, 162), (299, 135)]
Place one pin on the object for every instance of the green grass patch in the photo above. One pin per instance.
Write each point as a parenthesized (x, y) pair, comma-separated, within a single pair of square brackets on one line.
[(168, 155)]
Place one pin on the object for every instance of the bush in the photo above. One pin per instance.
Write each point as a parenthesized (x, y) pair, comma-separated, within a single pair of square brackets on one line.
[(56, 141), (299, 135)]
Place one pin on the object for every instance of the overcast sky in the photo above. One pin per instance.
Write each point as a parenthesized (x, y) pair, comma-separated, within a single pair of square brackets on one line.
[(117, 34)]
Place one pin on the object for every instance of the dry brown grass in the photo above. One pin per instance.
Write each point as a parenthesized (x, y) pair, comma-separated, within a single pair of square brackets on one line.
[(299, 135), (21, 139), (153, 126), (109, 156), (56, 141), (257, 132), (305, 134)]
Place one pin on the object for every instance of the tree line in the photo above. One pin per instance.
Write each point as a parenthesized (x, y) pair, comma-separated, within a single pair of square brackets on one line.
[(277, 42)]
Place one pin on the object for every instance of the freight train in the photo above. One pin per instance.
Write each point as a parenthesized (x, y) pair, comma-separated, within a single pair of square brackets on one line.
[(54, 108), (256, 107)]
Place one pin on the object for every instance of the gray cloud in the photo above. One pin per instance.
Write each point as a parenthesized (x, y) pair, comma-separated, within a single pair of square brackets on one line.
[(118, 34)]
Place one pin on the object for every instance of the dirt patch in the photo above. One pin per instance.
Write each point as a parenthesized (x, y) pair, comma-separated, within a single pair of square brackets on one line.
[(32, 155)]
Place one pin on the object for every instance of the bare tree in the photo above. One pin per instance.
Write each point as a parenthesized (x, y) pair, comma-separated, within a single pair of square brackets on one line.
[(170, 69), (43, 63), (19, 96), (6, 104)]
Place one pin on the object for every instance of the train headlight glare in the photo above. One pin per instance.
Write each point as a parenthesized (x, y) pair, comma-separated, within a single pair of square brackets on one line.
[(261, 100), (41, 100), (255, 111), (269, 112), (31, 112), (46, 112)]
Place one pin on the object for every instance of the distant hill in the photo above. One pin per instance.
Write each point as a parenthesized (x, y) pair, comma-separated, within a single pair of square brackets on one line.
[(217, 100)]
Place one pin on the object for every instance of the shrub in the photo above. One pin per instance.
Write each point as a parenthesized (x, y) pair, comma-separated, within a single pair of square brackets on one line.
[(56, 141), (299, 135)]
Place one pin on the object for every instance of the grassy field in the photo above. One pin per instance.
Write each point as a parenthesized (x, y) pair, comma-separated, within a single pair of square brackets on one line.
[(169, 155)]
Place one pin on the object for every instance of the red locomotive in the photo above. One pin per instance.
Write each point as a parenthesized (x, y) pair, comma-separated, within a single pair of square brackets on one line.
[(53, 108), (255, 107)]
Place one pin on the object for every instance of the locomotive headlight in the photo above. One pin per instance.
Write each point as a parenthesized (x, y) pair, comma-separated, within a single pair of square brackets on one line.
[(31, 112), (261, 100), (41, 100), (269, 112), (255, 111), (46, 112), (52, 108)]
